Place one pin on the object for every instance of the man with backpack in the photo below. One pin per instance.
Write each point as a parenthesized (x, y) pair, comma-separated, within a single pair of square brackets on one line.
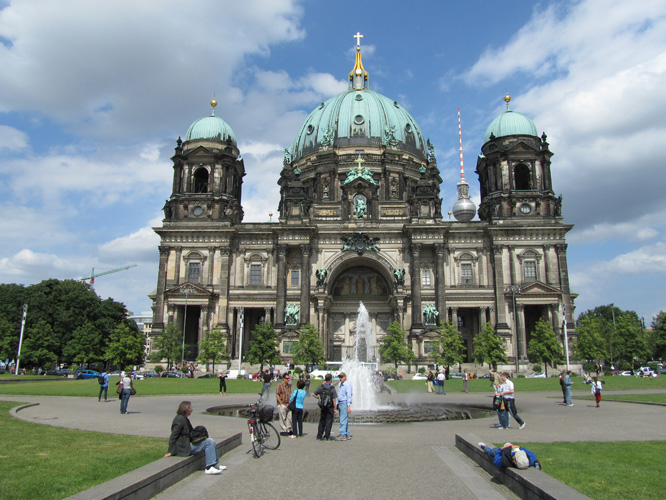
[(327, 397), (103, 380)]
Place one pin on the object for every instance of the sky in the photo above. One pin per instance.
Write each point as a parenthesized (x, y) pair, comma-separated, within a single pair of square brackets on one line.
[(94, 95)]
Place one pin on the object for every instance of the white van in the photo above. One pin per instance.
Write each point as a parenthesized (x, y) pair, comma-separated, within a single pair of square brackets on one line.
[(234, 374)]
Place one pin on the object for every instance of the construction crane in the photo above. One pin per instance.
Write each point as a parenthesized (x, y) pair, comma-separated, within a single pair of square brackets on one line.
[(93, 275)]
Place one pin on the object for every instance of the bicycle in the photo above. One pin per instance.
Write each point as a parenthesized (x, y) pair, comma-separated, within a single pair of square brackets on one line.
[(262, 433)]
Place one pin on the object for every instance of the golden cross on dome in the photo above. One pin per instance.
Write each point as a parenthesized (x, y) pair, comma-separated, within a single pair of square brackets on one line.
[(358, 37), (360, 162)]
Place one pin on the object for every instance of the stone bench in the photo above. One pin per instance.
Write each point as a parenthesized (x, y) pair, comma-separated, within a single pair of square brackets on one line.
[(149, 480), (528, 484)]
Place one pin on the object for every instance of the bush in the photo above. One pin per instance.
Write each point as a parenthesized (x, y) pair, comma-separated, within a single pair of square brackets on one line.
[(422, 370), (537, 368), (298, 370), (159, 369)]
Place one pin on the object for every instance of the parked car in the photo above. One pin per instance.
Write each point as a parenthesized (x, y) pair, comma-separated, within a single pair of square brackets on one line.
[(86, 374), (536, 375), (150, 374), (58, 373), (173, 374), (420, 376), (626, 373), (455, 375), (645, 371), (234, 374)]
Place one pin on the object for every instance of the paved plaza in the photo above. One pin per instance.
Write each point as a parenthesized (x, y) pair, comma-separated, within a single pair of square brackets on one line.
[(391, 461)]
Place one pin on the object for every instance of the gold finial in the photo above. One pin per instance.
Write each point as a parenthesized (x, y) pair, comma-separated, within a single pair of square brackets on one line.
[(360, 162), (213, 103), (507, 100), (358, 76)]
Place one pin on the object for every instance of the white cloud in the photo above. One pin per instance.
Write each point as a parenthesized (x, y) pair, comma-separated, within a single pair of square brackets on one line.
[(12, 139), (141, 245), (28, 264)]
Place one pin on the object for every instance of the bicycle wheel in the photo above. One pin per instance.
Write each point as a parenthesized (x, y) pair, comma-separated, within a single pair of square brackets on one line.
[(270, 435), (257, 441)]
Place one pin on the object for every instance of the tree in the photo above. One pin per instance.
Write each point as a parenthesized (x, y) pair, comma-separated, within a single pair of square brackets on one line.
[(544, 347), (488, 347), (590, 344), (629, 342), (40, 346), (451, 345), (394, 347), (659, 336), (309, 349), (263, 346), (9, 337), (168, 345), (84, 346), (125, 346), (213, 348)]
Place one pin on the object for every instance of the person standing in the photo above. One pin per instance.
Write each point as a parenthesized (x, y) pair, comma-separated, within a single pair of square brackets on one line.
[(494, 378), (465, 381), (564, 391), (307, 384), (567, 389), (127, 385), (440, 383), (430, 381), (223, 384), (180, 445), (297, 415), (283, 395), (327, 396), (596, 390), (345, 394), (502, 414), (507, 392), (266, 377), (103, 386)]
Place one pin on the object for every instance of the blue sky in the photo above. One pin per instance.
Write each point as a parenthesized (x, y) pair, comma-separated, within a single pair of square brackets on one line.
[(93, 96)]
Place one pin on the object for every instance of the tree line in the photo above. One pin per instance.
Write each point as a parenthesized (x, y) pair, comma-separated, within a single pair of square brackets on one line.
[(67, 323)]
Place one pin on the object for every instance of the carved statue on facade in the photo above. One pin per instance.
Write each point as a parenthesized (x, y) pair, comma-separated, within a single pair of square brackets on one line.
[(359, 243), (430, 315), (287, 157), (327, 139), (431, 151), (399, 275), (360, 171), (360, 207), (389, 139), (321, 276), (291, 313)]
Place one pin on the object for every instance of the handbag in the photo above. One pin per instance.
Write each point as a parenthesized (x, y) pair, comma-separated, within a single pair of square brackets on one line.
[(292, 404), (132, 391), (198, 434), (119, 389), (497, 402)]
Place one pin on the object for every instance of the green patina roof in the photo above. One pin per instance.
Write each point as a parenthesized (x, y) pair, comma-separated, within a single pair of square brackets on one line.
[(359, 117), (511, 123), (210, 127)]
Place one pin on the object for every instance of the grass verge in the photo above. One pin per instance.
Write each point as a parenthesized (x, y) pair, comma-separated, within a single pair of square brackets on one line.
[(40, 461), (606, 471)]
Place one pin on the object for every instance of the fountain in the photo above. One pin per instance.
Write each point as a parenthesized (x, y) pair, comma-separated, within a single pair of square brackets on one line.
[(361, 371)]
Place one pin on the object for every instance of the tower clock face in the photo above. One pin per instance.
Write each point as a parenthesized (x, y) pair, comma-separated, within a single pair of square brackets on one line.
[(197, 211), (525, 208)]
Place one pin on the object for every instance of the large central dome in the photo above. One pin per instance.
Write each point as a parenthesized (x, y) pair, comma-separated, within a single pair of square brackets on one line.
[(359, 117)]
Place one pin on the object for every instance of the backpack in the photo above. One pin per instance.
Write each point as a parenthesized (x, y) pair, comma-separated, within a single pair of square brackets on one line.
[(325, 400), (100, 379)]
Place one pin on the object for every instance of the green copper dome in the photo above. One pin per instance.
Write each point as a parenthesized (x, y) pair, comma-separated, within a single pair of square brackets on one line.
[(511, 123), (210, 127), (359, 117)]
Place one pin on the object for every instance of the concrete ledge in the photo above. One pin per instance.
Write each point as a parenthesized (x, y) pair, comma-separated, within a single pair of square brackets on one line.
[(530, 484), (149, 480)]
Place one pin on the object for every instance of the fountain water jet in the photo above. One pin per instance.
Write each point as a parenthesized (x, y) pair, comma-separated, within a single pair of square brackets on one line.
[(361, 369)]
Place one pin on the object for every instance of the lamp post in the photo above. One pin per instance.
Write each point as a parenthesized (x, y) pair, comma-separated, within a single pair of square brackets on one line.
[(185, 290), (240, 344), (515, 290), (566, 337)]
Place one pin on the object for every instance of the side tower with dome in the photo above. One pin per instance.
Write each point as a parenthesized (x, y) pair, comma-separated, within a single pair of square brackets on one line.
[(360, 219)]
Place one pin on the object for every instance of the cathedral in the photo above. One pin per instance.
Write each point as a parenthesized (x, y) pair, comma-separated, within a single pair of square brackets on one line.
[(360, 220)]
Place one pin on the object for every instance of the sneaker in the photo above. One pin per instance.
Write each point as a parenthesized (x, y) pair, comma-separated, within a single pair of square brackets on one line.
[(522, 426), (293, 437), (537, 465), (482, 445), (571, 404), (502, 428), (220, 467), (212, 470)]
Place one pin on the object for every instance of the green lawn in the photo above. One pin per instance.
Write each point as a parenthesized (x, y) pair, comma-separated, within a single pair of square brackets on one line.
[(650, 398), (606, 471), (40, 461), (148, 387)]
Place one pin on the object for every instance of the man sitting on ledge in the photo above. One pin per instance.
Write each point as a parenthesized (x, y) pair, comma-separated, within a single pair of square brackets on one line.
[(180, 445), (511, 455)]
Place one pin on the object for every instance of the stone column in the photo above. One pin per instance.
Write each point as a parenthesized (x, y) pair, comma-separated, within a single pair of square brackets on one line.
[(440, 279), (158, 312), (564, 282), (512, 264), (521, 334), (176, 267), (417, 316), (267, 315), (225, 252), (454, 317), (211, 266), (305, 284), (280, 302), (498, 274)]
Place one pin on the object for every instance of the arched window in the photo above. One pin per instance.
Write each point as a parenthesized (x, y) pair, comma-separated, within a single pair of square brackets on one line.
[(201, 181), (522, 177)]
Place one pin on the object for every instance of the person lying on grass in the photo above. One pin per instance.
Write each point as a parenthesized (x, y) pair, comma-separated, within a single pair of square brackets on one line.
[(511, 455)]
